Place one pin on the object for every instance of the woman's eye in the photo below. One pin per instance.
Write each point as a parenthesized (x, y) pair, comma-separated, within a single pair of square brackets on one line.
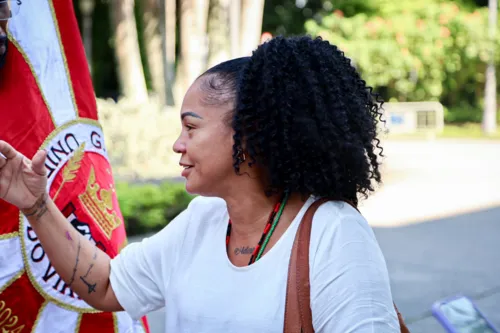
[(189, 127)]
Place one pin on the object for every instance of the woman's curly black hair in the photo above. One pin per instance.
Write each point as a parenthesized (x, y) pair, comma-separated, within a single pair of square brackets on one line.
[(302, 112)]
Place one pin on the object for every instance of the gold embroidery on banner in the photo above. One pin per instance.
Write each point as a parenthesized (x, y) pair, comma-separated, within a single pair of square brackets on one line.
[(9, 320), (11, 281), (78, 323), (26, 58), (70, 123), (39, 316), (115, 323), (134, 324), (99, 205), (70, 170), (35, 284), (63, 54), (9, 235)]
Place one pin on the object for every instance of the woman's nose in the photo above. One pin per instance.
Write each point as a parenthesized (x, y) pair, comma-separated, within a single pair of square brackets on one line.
[(179, 146)]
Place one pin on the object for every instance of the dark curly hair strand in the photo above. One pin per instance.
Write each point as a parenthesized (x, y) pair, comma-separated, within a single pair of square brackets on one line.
[(302, 112)]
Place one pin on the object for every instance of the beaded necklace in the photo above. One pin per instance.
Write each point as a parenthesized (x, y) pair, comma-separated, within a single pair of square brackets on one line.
[(272, 222)]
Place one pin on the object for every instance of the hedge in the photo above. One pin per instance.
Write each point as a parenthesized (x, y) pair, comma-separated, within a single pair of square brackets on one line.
[(149, 207)]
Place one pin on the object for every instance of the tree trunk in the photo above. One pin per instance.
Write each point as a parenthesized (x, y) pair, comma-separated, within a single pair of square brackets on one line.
[(151, 15), (130, 71), (234, 31), (87, 9), (490, 98), (169, 41), (252, 12), (194, 15), (219, 32)]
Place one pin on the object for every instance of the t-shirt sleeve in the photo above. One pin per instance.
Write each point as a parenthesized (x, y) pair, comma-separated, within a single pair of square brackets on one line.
[(141, 272), (350, 289)]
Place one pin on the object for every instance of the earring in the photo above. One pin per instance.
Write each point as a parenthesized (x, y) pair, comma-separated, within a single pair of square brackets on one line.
[(241, 156)]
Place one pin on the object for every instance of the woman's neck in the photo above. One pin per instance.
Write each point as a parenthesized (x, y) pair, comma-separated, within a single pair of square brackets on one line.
[(249, 212), (249, 215)]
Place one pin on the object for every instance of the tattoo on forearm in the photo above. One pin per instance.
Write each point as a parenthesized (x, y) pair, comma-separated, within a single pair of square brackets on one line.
[(90, 286), (43, 209), (94, 257), (76, 263), (68, 236), (244, 250), (38, 209)]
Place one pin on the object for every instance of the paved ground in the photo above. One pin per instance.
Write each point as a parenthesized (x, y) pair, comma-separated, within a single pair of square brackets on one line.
[(434, 179), (441, 258), (437, 219)]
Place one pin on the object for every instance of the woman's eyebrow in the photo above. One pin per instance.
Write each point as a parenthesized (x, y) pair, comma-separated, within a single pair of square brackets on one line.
[(190, 114)]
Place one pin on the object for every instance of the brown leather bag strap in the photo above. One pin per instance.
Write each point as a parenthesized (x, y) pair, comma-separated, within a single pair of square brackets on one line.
[(292, 313), (298, 315)]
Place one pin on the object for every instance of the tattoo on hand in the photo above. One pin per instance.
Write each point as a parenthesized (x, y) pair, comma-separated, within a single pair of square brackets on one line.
[(244, 250), (76, 263)]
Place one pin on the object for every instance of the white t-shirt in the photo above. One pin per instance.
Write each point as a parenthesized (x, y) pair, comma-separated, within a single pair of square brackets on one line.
[(185, 268)]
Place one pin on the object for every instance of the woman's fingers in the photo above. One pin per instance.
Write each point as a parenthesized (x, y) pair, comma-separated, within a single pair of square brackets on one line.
[(7, 150), (38, 163)]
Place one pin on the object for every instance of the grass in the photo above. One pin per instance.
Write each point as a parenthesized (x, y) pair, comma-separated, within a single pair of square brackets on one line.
[(462, 131)]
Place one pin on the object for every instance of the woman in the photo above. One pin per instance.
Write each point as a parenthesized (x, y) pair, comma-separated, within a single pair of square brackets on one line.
[(262, 138)]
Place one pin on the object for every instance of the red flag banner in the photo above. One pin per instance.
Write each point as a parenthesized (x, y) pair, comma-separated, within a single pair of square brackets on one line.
[(47, 102)]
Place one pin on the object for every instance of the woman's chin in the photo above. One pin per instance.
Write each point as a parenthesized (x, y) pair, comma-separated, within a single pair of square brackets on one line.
[(190, 189), (193, 187), (199, 189)]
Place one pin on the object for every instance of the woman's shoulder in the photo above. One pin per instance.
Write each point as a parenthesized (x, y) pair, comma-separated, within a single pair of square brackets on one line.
[(332, 213), (341, 223)]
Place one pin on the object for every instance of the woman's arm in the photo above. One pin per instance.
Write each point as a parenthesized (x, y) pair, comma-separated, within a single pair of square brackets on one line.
[(82, 266), (135, 280)]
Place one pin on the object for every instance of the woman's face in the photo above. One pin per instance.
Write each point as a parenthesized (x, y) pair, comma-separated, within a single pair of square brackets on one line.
[(205, 144)]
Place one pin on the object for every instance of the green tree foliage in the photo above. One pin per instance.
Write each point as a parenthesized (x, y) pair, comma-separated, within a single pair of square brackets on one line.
[(287, 17), (409, 50), (150, 207), (414, 51)]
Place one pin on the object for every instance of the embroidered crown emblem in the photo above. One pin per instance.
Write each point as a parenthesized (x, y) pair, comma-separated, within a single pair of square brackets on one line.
[(99, 204)]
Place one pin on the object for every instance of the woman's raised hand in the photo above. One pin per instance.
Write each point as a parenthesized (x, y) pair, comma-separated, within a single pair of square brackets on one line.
[(22, 181)]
